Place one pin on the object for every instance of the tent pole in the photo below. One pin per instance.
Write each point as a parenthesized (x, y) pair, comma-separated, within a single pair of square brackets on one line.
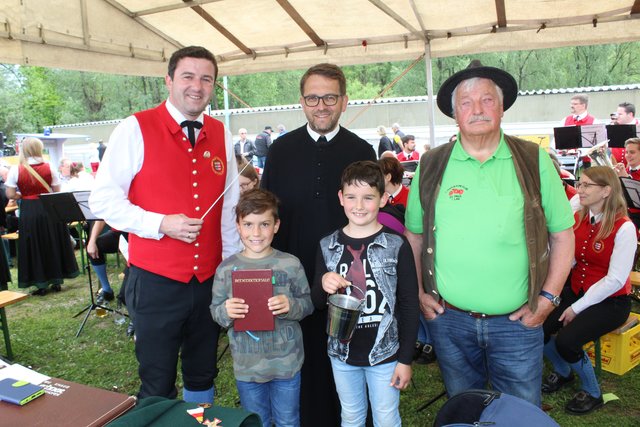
[(431, 110), (225, 94)]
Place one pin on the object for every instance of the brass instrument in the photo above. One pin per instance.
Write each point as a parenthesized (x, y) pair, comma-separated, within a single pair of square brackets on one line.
[(600, 154)]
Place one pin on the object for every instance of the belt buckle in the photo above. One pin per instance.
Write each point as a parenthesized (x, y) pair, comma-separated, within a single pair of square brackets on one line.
[(477, 315)]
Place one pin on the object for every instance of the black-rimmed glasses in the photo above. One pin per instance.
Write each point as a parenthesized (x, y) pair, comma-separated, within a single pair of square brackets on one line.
[(328, 100)]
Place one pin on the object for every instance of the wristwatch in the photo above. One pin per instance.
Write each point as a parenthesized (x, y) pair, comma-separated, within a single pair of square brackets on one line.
[(555, 299)]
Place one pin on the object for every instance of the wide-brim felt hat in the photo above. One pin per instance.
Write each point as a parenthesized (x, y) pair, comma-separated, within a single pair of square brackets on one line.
[(504, 80)]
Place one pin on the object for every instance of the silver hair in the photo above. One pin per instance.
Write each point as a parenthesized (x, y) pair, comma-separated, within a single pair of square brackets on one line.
[(468, 84)]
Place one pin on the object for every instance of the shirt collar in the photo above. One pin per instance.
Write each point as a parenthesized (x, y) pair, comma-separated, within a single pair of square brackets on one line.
[(315, 135), (502, 151), (580, 116), (595, 218), (178, 116), (397, 192)]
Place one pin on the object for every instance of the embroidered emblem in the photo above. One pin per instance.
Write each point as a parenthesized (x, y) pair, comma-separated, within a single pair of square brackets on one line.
[(217, 165), (456, 192), (207, 154), (598, 246)]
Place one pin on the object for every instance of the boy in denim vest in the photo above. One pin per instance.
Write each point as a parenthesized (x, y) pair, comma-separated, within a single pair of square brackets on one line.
[(374, 263)]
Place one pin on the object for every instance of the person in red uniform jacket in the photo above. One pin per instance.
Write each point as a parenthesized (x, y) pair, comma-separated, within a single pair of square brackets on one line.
[(597, 300), (392, 214), (45, 253), (625, 115), (631, 170), (408, 149), (393, 173), (177, 234), (579, 117)]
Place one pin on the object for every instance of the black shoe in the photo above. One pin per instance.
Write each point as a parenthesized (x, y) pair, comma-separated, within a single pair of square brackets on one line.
[(583, 403), (428, 355), (131, 330), (555, 382), (417, 350), (103, 296), (56, 288), (40, 292)]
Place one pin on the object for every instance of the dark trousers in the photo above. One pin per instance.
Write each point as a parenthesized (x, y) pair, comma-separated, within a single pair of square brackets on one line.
[(319, 403), (172, 319), (107, 243), (589, 325)]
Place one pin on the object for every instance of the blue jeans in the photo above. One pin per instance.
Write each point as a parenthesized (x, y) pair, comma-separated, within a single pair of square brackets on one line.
[(473, 353), (423, 330), (351, 383), (276, 401), (261, 161)]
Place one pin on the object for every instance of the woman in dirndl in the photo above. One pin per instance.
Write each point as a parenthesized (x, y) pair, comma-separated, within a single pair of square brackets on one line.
[(45, 251)]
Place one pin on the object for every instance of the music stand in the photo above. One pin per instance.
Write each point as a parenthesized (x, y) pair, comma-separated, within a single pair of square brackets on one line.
[(567, 137), (70, 207), (618, 134), (631, 190)]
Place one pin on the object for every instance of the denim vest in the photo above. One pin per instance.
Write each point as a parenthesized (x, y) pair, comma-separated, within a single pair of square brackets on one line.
[(382, 257), (526, 162)]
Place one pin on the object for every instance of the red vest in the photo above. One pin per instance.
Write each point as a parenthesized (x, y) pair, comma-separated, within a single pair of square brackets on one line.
[(174, 179), (592, 257), (29, 186), (402, 156), (570, 121), (401, 198), (636, 176), (570, 191)]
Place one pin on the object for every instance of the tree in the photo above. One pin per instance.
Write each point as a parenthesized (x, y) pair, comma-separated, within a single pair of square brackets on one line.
[(42, 102)]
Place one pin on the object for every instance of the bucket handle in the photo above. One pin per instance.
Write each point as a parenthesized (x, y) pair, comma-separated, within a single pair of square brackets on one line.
[(352, 287)]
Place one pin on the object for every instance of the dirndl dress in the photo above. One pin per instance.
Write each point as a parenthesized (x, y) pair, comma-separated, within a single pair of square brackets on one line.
[(45, 251)]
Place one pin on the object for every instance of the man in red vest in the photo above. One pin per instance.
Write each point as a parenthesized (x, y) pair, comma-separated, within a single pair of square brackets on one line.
[(579, 115), (178, 234)]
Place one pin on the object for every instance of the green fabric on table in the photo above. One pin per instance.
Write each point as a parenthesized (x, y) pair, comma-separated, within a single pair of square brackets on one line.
[(161, 412)]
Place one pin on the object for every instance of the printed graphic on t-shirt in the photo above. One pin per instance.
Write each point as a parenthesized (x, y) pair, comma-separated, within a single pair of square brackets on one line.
[(355, 268)]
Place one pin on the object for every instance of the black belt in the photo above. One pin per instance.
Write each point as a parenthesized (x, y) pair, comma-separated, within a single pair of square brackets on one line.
[(473, 314)]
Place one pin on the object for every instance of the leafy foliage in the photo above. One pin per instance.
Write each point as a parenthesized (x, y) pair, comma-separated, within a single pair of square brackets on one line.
[(33, 97)]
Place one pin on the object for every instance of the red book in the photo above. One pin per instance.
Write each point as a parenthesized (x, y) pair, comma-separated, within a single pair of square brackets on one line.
[(255, 288)]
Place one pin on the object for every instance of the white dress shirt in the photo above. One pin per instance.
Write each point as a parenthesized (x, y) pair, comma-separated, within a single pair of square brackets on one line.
[(123, 160)]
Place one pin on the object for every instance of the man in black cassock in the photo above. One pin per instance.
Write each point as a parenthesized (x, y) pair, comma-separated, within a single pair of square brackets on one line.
[(303, 169)]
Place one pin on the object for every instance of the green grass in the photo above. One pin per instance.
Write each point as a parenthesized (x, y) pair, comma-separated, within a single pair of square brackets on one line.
[(43, 337)]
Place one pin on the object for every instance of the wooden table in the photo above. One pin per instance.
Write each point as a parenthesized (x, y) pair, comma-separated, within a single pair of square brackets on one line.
[(635, 278), (8, 298)]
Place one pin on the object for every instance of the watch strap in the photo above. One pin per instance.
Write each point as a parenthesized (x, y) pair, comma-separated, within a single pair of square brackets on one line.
[(555, 299)]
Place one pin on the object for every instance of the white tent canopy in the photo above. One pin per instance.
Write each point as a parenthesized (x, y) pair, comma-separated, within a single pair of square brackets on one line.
[(138, 36)]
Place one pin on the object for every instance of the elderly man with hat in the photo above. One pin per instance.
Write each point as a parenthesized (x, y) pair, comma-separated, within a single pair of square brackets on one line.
[(491, 231)]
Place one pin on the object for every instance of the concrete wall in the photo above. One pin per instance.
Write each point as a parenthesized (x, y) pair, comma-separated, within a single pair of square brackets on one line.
[(532, 114)]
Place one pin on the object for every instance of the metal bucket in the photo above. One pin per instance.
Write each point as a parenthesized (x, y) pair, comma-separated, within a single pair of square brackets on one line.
[(344, 312)]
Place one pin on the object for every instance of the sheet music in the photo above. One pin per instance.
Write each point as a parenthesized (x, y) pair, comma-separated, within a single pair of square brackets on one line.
[(82, 197), (632, 188), (593, 134)]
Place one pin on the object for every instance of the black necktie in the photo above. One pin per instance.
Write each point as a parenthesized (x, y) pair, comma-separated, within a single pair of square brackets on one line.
[(191, 126), (322, 141)]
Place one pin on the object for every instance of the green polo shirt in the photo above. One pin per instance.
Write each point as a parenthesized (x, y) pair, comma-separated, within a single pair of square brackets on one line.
[(481, 259)]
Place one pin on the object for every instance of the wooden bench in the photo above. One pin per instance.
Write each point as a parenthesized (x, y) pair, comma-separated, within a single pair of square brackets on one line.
[(16, 238), (8, 298)]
